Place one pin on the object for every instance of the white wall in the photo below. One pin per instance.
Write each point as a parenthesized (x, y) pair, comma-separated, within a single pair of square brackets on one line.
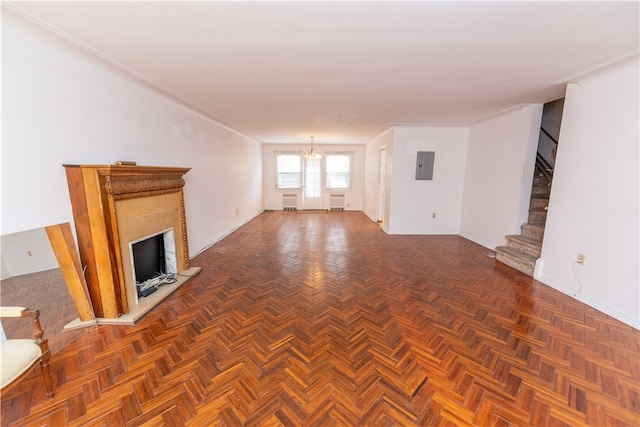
[(64, 105), (499, 174), (353, 196), (593, 208), (414, 202), (27, 252), (5, 270)]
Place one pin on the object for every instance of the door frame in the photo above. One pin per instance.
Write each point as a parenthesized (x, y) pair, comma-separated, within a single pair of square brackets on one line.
[(382, 185)]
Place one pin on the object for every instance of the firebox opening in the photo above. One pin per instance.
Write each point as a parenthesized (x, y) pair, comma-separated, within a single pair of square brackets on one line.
[(154, 262)]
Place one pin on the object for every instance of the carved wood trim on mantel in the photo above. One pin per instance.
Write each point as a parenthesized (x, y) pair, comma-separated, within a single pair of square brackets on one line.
[(141, 181), (98, 193)]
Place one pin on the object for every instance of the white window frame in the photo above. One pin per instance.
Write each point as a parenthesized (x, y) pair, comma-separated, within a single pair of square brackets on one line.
[(277, 170), (349, 175)]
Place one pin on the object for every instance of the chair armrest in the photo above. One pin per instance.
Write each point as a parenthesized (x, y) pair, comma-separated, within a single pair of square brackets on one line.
[(11, 311), (45, 354), (24, 313)]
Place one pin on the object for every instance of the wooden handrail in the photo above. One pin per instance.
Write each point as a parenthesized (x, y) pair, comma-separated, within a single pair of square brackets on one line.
[(548, 134)]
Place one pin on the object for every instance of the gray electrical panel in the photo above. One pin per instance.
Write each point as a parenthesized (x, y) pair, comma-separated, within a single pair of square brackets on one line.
[(424, 165)]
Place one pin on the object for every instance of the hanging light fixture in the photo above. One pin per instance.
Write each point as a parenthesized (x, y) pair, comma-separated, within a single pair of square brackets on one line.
[(312, 154)]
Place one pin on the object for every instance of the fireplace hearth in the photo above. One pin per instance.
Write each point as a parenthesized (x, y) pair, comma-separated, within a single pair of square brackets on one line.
[(115, 207)]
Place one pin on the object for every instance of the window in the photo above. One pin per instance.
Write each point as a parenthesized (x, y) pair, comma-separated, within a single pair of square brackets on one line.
[(289, 170), (338, 169)]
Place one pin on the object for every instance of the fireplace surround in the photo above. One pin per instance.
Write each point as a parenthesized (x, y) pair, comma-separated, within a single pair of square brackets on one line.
[(113, 207)]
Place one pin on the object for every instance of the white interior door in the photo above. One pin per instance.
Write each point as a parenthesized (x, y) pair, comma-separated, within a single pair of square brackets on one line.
[(312, 194)]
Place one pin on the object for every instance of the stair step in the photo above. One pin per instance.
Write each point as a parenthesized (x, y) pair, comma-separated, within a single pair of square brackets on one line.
[(519, 260), (538, 202), (540, 191), (540, 181), (537, 216), (533, 231), (525, 244)]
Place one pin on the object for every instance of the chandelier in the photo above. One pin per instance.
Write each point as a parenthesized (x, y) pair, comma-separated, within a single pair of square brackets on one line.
[(311, 154)]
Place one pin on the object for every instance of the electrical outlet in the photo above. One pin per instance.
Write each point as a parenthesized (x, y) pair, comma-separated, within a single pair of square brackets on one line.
[(237, 211), (29, 253), (580, 259), (433, 215)]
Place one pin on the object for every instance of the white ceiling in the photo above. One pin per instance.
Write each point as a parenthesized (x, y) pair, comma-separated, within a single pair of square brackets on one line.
[(346, 71)]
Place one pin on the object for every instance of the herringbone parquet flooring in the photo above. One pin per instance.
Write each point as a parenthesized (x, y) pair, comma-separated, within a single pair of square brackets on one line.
[(325, 320)]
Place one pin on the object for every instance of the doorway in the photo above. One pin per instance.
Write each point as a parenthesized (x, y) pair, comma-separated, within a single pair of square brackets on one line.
[(382, 178), (312, 196)]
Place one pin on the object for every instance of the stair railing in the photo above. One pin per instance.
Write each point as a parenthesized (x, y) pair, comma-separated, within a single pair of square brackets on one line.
[(542, 164), (549, 135), (544, 167)]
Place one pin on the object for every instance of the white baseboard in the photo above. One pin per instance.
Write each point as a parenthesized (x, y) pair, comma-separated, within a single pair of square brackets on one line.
[(374, 219), (479, 241), (226, 234), (630, 319), (371, 217)]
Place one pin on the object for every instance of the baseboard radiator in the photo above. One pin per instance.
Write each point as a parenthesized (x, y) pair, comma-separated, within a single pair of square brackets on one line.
[(336, 202), (290, 201)]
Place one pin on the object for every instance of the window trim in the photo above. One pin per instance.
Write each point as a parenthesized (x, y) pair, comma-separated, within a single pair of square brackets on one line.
[(277, 173), (326, 172)]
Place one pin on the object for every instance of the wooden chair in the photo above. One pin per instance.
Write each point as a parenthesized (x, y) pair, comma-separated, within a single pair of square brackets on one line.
[(18, 357)]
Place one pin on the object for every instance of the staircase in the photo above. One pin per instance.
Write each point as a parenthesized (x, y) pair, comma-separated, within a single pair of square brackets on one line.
[(524, 249)]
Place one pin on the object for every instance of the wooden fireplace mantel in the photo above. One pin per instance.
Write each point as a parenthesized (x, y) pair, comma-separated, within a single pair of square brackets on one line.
[(112, 206)]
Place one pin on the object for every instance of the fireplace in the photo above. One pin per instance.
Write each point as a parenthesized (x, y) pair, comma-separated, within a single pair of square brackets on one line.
[(115, 208), (153, 257)]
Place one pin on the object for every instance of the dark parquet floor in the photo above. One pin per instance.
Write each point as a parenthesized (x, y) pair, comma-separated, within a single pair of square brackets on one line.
[(314, 320)]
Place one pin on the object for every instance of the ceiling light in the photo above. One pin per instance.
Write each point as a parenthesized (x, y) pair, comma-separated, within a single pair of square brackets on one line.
[(311, 154)]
